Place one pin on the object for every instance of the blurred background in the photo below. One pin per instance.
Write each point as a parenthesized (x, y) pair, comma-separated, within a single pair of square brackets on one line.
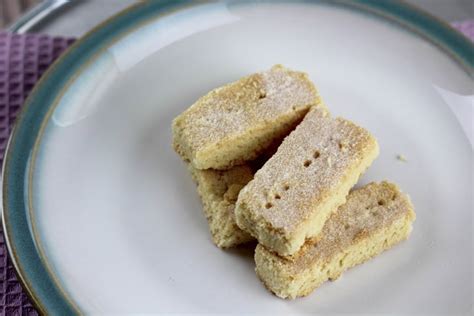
[(75, 17), (12, 9)]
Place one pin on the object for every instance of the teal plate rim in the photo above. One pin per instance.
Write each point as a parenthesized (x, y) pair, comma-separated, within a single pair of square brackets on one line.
[(39, 282)]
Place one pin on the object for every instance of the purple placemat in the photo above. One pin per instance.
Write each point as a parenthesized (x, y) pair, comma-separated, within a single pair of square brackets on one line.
[(23, 59), (465, 27)]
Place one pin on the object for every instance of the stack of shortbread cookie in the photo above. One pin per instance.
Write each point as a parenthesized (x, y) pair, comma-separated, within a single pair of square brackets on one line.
[(271, 164)]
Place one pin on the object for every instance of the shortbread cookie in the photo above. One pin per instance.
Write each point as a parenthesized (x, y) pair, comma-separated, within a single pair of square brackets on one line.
[(218, 190), (235, 123), (375, 218), (308, 178)]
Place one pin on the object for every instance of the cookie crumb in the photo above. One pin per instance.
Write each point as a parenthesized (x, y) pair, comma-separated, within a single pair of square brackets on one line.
[(401, 158)]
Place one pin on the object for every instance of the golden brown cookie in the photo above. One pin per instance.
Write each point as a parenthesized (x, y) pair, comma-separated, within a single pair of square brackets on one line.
[(308, 178), (237, 122), (218, 190), (374, 218)]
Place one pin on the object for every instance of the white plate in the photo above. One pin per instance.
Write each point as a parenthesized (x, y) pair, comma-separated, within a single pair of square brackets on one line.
[(114, 215)]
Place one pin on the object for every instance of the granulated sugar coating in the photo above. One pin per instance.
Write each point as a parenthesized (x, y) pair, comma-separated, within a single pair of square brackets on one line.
[(237, 122), (294, 193), (375, 217)]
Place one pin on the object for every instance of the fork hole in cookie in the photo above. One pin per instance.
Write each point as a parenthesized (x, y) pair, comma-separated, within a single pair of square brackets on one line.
[(262, 95), (286, 187), (316, 154), (307, 163), (342, 146), (268, 205), (277, 197), (381, 202)]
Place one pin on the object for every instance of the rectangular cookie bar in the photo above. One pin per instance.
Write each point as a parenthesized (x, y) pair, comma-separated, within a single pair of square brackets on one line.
[(375, 218), (235, 123), (218, 190), (308, 178)]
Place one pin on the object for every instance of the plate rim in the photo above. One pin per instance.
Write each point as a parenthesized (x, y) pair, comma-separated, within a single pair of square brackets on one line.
[(43, 289)]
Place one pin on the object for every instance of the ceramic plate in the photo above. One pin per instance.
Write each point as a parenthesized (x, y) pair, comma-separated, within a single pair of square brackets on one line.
[(102, 217)]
